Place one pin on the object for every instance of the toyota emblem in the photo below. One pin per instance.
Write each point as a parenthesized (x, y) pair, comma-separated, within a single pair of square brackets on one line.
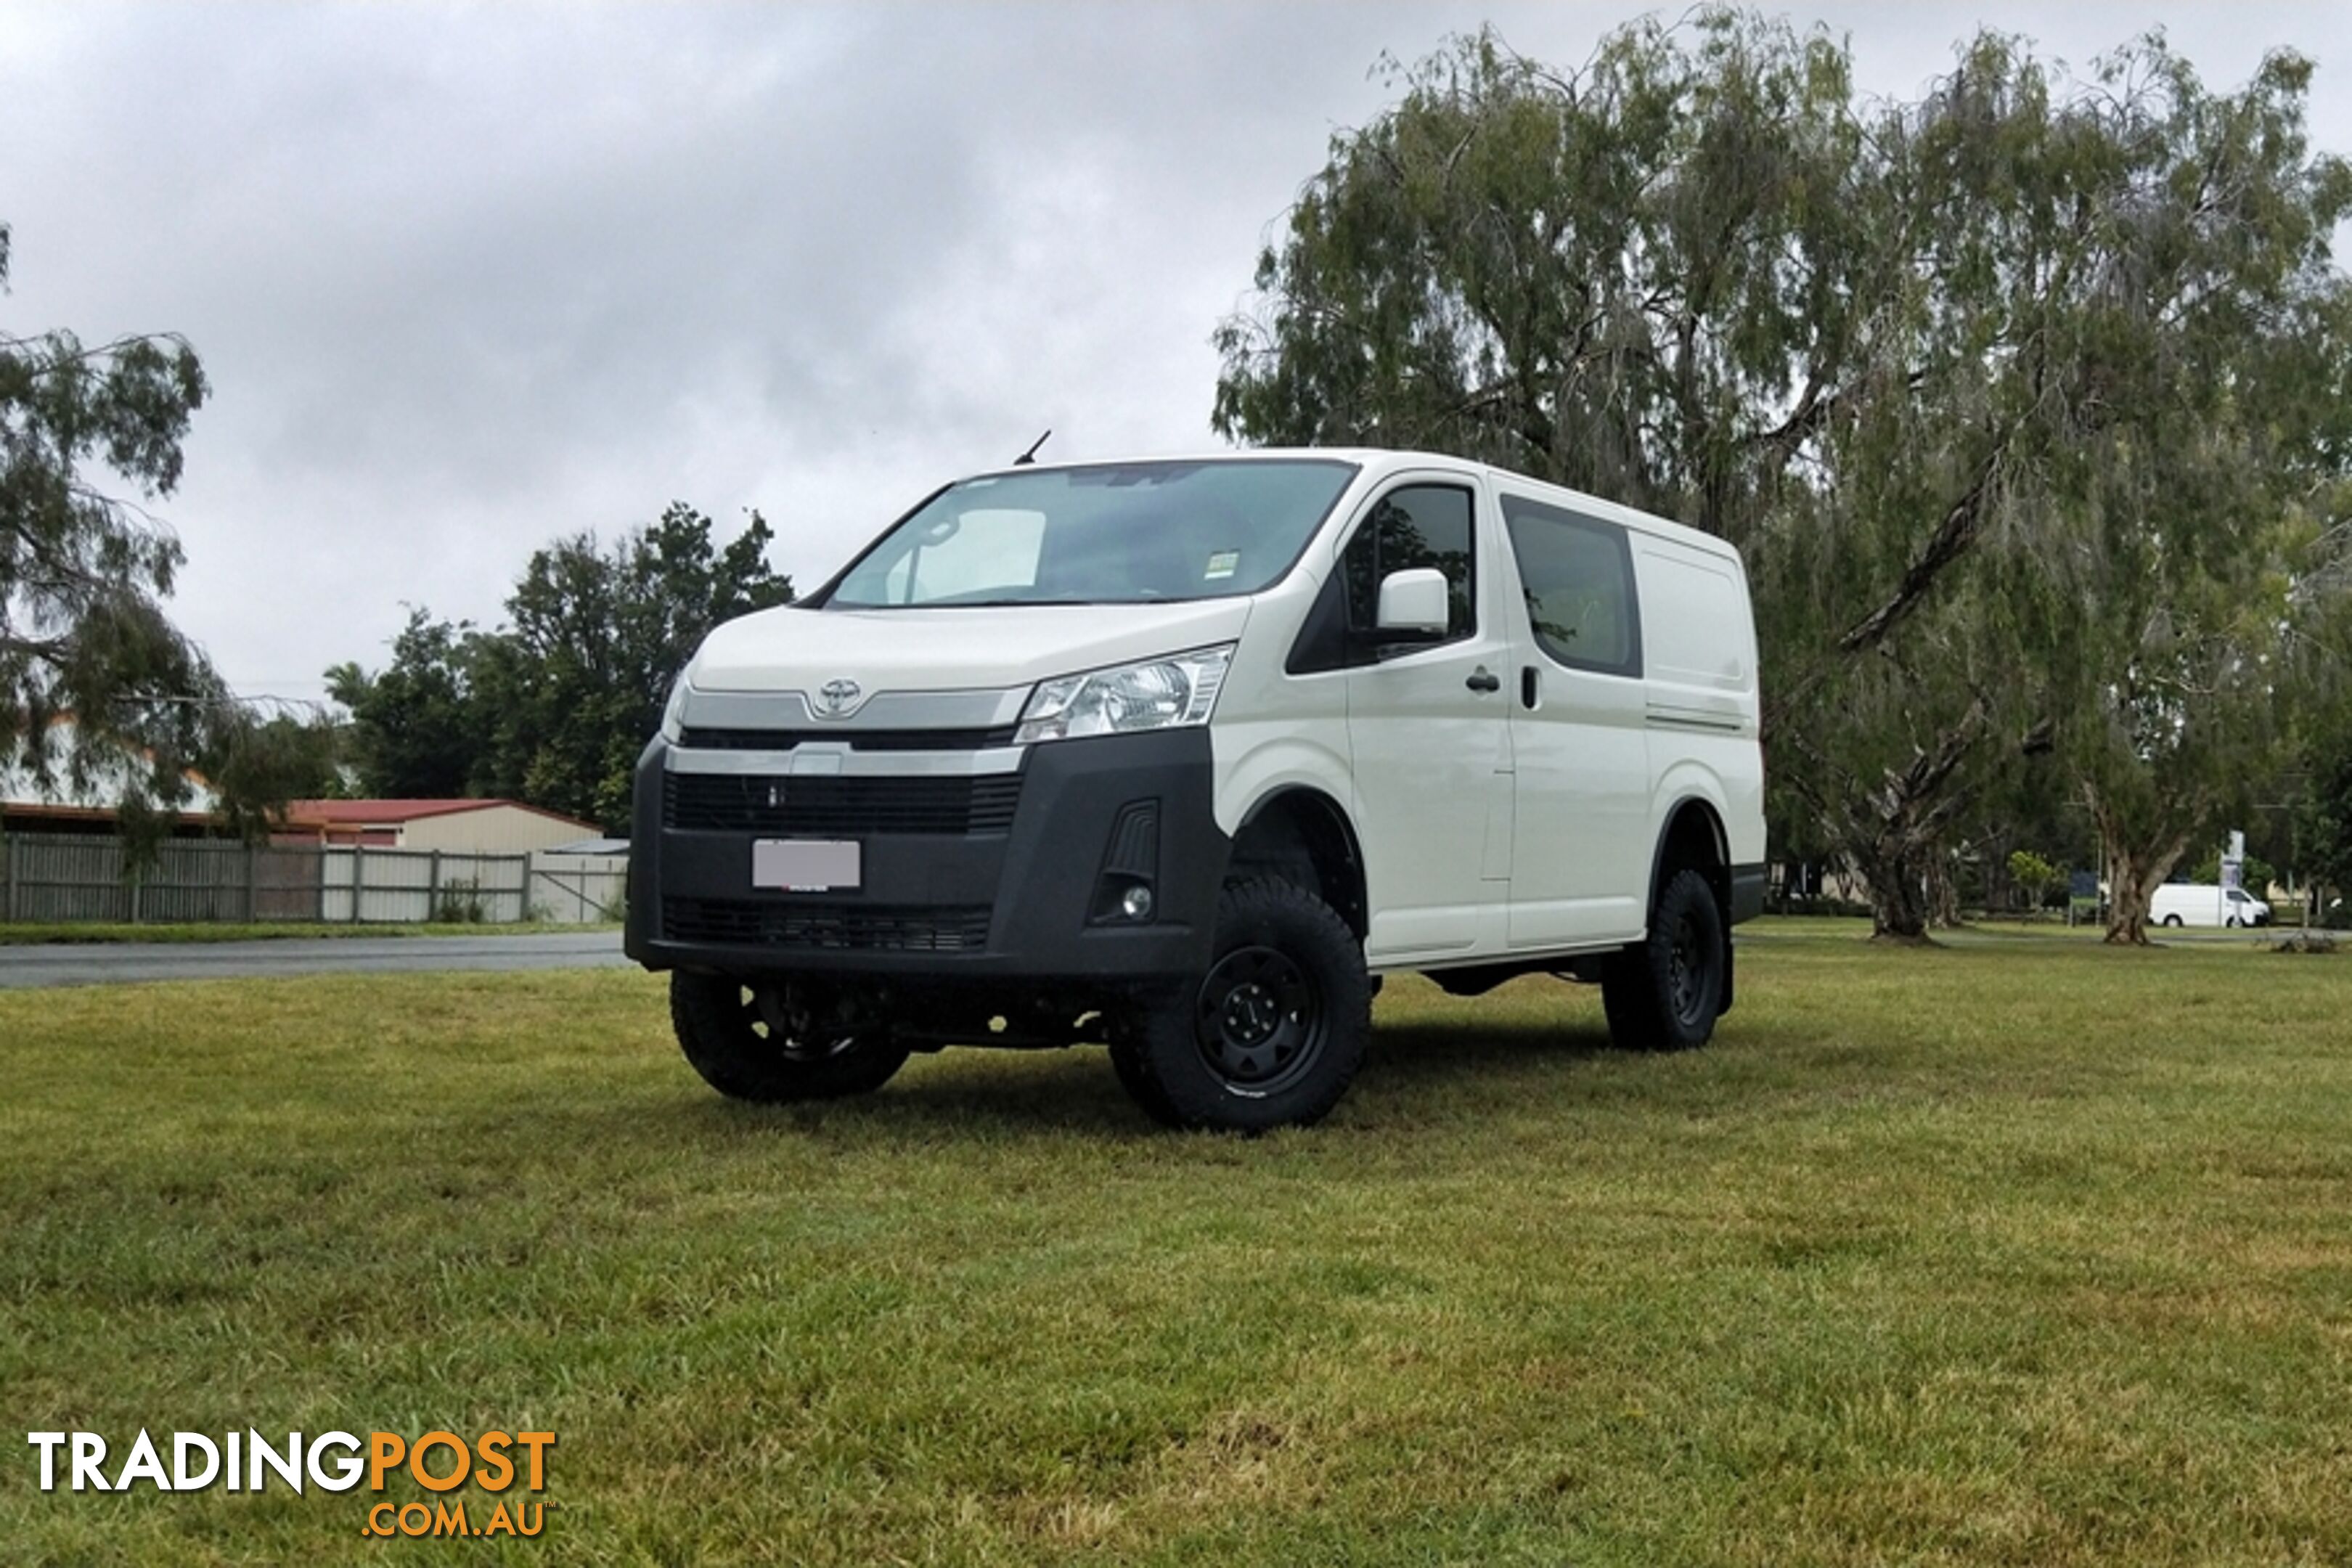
[(836, 698)]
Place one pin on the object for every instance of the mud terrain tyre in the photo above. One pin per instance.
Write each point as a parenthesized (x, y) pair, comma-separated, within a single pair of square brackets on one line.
[(752, 1043), (1665, 993), (1271, 1035)]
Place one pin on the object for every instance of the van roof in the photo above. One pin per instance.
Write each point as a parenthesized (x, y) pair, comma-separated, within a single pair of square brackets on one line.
[(1379, 462)]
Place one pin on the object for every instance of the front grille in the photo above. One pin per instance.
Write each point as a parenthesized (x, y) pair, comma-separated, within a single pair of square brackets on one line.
[(745, 922), (832, 805), (704, 738)]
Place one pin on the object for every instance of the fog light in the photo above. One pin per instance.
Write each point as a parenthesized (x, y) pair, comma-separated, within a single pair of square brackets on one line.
[(1136, 903)]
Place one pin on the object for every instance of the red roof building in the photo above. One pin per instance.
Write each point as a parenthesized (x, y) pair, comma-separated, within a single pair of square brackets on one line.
[(486, 827)]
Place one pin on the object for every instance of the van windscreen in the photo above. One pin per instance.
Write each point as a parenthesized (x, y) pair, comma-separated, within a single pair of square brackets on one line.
[(1114, 534)]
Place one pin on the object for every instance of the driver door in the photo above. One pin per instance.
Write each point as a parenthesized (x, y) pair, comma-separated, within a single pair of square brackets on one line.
[(1429, 729)]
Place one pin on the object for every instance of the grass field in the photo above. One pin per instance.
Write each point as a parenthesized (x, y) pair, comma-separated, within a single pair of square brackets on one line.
[(2022, 1251)]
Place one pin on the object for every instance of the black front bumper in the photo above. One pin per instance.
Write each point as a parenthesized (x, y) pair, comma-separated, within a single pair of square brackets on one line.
[(1001, 878)]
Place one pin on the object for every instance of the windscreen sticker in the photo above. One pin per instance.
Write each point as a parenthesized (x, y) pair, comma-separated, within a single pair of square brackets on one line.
[(1221, 564)]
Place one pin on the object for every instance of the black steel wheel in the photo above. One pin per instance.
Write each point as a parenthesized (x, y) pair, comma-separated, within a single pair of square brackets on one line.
[(772, 1042), (1259, 1021), (1665, 993), (1273, 1032)]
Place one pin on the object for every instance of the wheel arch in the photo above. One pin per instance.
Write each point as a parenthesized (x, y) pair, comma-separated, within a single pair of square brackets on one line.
[(1694, 838), (1299, 832)]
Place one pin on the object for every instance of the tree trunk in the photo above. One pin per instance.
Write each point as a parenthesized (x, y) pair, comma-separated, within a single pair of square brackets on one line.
[(2135, 871), (1896, 869), (1943, 894), (1894, 833)]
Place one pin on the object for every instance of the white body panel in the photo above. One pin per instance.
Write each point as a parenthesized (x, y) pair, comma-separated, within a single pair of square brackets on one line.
[(1489, 828), (1432, 775), (952, 648)]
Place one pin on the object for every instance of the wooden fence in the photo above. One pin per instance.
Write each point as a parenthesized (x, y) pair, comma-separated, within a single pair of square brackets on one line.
[(74, 878)]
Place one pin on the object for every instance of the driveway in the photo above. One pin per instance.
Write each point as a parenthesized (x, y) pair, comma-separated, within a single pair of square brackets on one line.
[(104, 963)]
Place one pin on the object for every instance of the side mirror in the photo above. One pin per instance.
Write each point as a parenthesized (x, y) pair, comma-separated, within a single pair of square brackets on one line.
[(1413, 603)]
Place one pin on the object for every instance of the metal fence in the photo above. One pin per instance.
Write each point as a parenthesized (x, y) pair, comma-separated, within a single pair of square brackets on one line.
[(74, 877)]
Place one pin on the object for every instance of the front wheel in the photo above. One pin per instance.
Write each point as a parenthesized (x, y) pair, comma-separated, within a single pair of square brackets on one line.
[(773, 1043), (1665, 993), (1271, 1035)]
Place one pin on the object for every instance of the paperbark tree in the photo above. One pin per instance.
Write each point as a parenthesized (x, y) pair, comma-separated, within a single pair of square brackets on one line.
[(2186, 453), (1866, 342)]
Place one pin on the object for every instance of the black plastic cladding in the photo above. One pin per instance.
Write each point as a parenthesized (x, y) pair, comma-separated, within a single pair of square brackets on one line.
[(928, 863)]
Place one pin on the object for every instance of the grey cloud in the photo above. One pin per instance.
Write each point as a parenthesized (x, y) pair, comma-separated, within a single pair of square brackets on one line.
[(468, 277)]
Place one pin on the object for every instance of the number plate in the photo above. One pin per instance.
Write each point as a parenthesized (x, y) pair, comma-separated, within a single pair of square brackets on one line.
[(804, 864)]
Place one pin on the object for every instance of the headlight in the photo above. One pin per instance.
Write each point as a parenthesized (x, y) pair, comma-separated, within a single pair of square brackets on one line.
[(1158, 694), (673, 724)]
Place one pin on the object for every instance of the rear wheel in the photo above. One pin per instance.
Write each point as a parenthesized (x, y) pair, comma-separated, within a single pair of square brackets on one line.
[(1665, 993), (2173, 920), (1271, 1035), (776, 1042)]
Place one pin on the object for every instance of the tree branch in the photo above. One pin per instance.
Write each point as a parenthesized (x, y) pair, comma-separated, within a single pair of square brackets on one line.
[(1947, 544)]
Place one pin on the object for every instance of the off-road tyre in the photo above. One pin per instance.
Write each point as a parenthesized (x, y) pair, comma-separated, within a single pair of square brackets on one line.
[(1665, 993), (743, 1044), (1271, 1035)]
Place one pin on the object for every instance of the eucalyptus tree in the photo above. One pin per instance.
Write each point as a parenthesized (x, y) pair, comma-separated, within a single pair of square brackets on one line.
[(2206, 344), (84, 572), (1886, 348), (1698, 276), (2321, 633)]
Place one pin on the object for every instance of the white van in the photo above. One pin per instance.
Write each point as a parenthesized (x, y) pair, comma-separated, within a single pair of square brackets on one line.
[(1180, 754), (2204, 904)]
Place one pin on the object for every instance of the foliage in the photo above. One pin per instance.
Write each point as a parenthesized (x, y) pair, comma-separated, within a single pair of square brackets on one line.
[(2324, 813), (417, 731), (460, 903), (2033, 874), (2320, 820), (83, 574), (1956, 375), (2257, 873), (554, 707)]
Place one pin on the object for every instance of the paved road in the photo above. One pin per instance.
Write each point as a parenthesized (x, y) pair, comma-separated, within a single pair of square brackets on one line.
[(100, 963)]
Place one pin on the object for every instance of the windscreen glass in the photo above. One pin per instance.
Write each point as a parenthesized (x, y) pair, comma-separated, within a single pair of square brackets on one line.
[(1131, 534)]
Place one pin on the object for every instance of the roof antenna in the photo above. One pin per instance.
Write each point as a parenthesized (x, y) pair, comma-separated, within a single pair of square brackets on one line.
[(1025, 458)]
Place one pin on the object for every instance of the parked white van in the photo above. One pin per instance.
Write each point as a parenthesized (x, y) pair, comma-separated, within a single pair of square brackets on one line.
[(1182, 754), (2204, 904)]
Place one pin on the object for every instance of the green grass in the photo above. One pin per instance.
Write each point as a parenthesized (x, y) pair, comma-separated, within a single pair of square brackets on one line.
[(2019, 1251), (26, 933)]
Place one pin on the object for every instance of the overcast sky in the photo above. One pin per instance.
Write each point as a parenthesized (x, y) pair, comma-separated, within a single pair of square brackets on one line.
[(466, 279)]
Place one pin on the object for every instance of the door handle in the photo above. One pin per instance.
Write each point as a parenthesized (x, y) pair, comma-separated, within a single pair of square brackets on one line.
[(1482, 681), (1530, 686)]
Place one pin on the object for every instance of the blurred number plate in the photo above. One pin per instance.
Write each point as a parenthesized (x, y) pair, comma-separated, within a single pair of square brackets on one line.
[(804, 864)]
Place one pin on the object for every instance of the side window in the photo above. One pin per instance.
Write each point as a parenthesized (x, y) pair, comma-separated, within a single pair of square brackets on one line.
[(1578, 575), (1418, 525)]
